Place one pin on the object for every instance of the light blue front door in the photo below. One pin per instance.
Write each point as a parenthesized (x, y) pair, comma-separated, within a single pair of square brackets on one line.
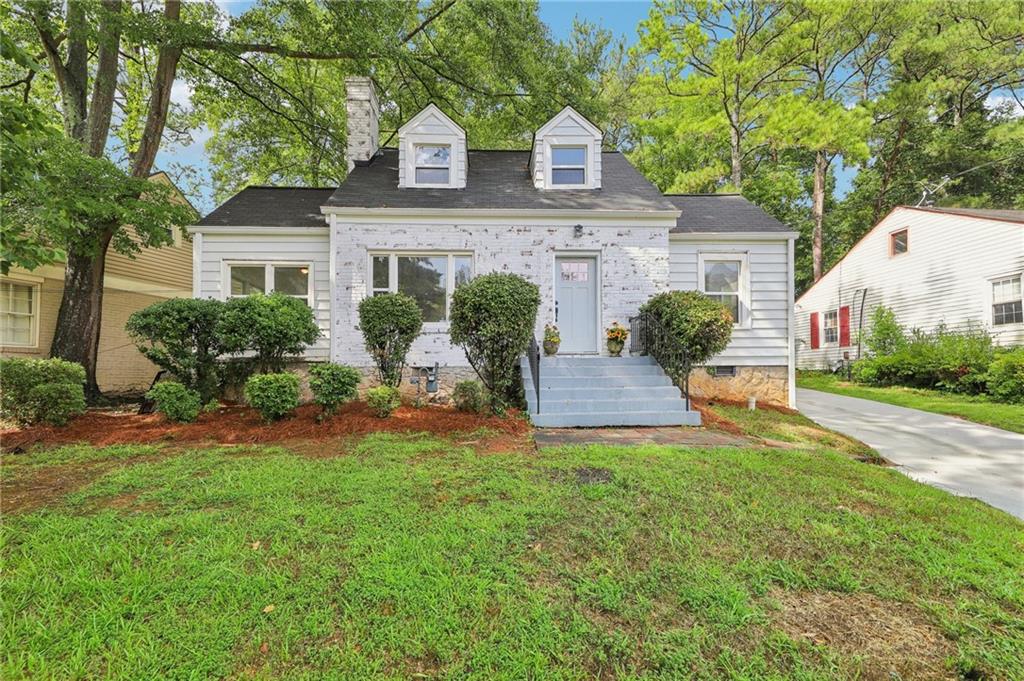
[(576, 303)]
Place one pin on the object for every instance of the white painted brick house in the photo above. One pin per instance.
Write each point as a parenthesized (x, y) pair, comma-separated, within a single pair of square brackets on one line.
[(595, 236)]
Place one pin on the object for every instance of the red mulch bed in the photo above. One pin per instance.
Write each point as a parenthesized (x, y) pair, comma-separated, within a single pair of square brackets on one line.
[(242, 425)]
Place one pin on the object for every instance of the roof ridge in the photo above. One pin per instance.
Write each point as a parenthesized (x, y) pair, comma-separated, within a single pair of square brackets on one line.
[(281, 186), (716, 194)]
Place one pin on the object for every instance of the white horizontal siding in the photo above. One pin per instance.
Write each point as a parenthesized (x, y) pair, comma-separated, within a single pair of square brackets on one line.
[(312, 249), (766, 342), (942, 279)]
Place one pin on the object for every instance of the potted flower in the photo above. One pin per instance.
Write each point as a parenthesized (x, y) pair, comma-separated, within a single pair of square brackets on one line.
[(616, 335), (551, 339)]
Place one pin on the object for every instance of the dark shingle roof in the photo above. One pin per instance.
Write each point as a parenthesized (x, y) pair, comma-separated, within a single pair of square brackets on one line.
[(713, 213), (499, 180), (990, 213), (271, 207)]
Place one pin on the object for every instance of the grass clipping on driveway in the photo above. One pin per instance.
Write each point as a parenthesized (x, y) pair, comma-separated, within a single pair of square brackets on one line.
[(417, 557)]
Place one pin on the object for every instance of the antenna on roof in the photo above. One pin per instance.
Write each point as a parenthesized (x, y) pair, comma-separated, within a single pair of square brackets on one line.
[(928, 191)]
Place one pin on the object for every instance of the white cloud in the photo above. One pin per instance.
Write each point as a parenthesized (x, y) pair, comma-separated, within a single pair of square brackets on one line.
[(996, 100)]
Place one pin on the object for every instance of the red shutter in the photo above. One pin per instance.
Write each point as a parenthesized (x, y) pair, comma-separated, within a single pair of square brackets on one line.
[(815, 330), (844, 326)]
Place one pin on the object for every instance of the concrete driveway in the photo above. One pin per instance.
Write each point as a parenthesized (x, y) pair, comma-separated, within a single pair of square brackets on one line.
[(946, 452)]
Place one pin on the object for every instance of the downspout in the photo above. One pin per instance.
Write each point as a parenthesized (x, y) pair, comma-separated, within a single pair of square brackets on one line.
[(197, 265), (860, 317), (791, 323), (332, 355)]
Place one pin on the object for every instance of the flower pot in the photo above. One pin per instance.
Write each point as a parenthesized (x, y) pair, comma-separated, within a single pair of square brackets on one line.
[(615, 347), (550, 347)]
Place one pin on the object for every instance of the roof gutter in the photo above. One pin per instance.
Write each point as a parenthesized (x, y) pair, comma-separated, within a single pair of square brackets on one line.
[(565, 213)]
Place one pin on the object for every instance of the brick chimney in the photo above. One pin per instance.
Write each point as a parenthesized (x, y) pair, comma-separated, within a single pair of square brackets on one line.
[(363, 119)]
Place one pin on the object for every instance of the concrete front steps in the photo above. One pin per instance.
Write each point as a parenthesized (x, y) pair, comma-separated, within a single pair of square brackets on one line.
[(588, 392)]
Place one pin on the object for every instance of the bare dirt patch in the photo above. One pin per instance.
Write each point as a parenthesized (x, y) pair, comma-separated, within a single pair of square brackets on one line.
[(29, 490), (713, 420), (894, 640), (242, 425)]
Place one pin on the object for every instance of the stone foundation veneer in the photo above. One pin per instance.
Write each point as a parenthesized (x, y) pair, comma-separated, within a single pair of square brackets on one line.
[(766, 383)]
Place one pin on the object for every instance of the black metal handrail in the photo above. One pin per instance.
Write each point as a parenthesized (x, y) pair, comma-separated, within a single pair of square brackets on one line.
[(533, 355), (648, 336)]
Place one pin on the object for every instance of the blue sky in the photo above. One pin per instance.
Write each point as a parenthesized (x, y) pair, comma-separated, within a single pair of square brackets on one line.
[(619, 16)]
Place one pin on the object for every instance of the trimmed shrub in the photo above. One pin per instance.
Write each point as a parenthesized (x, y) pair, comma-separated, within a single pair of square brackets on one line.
[(180, 336), (333, 385), (41, 390), (886, 336), (274, 395), (383, 400), (492, 318), (694, 322), (176, 401), (469, 396), (390, 323), (274, 327), (1005, 378)]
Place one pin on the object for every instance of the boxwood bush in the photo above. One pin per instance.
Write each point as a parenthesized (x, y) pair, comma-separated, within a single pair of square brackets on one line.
[(383, 400), (694, 322), (470, 397), (180, 335), (274, 395), (492, 318), (41, 390), (333, 385), (1005, 378), (176, 401), (274, 327), (390, 323)]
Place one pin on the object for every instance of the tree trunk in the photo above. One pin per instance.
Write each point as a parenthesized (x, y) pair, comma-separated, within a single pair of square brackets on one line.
[(736, 153), (821, 163), (77, 336)]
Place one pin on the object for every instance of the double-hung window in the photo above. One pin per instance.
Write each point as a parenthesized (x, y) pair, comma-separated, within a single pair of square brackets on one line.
[(433, 164), (429, 278), (723, 277), (292, 279), (569, 165), (1007, 301), (19, 313), (830, 327), (899, 242)]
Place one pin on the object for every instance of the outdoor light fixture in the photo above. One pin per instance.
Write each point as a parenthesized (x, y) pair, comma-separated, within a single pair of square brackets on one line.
[(577, 231)]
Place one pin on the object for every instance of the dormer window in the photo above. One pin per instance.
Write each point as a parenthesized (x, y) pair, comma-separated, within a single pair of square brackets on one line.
[(569, 165), (567, 153), (433, 163), (431, 152)]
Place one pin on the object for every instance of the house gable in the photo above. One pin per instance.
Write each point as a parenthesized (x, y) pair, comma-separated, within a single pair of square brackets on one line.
[(431, 129)]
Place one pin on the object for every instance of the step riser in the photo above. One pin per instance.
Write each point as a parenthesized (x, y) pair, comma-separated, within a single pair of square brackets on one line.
[(592, 361), (599, 372), (646, 393), (587, 406), (598, 419), (601, 382)]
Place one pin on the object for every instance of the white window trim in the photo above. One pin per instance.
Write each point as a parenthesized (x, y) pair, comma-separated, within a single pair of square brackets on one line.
[(825, 343), (393, 256), (37, 289), (584, 167), (991, 301), (742, 257), (414, 140), (268, 276), (569, 141)]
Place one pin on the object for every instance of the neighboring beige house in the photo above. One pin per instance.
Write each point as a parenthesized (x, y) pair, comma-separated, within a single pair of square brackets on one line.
[(29, 301)]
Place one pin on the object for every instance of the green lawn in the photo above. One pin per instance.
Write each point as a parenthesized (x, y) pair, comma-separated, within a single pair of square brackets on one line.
[(412, 557), (973, 408)]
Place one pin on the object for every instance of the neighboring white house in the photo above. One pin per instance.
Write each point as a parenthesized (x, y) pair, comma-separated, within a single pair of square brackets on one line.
[(581, 223), (959, 267)]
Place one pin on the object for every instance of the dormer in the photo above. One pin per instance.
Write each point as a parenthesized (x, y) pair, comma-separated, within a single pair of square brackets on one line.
[(431, 152), (567, 153)]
